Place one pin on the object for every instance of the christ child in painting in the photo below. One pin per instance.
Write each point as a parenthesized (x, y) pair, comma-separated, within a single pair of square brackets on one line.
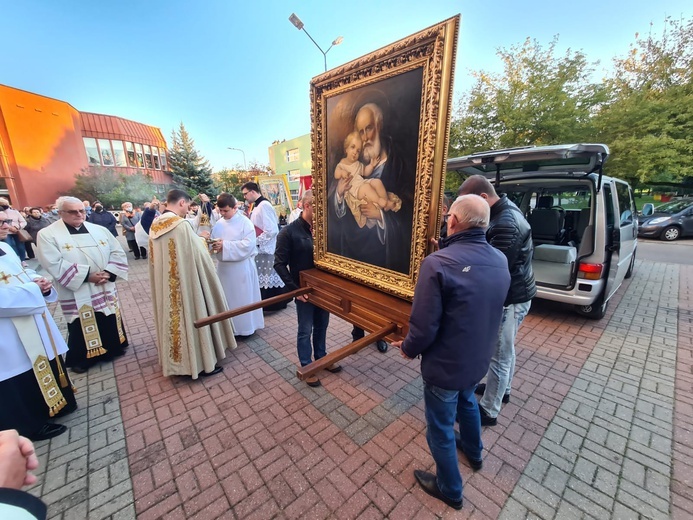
[(371, 190)]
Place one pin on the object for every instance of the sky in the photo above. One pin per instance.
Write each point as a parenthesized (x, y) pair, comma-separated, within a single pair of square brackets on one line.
[(237, 74)]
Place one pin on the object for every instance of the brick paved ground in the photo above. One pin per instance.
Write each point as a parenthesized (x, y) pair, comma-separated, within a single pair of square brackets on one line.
[(599, 424)]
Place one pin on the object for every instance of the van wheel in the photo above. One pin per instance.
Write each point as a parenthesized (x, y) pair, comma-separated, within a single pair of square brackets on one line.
[(670, 234), (629, 272), (596, 311)]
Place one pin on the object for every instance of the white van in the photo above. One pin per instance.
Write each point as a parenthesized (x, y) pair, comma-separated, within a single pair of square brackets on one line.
[(584, 224)]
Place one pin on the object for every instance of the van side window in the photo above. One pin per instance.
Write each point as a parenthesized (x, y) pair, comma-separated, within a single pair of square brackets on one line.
[(609, 205), (625, 204)]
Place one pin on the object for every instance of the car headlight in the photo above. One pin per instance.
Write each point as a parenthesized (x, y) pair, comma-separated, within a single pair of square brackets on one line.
[(658, 220)]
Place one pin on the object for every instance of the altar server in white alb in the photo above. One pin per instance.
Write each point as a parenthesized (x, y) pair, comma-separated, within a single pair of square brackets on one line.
[(85, 260), (236, 248), (33, 380)]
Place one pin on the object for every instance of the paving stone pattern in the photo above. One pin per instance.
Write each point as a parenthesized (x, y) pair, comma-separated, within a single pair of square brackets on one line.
[(596, 426), (608, 450)]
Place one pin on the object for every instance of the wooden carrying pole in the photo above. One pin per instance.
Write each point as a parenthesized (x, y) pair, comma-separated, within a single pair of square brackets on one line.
[(203, 322), (344, 352)]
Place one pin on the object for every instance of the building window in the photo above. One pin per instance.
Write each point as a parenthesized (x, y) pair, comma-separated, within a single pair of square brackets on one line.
[(292, 155), (106, 152), (162, 154), (155, 156), (119, 154), (294, 175), (132, 162), (140, 155), (148, 157), (92, 151)]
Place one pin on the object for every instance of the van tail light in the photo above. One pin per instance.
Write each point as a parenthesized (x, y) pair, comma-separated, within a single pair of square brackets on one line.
[(590, 271)]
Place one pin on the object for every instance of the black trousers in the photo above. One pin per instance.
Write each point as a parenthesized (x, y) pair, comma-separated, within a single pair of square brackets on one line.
[(108, 330), (23, 407), (137, 250)]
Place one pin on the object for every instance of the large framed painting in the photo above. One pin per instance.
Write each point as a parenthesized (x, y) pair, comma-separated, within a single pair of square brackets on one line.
[(380, 129), (275, 188)]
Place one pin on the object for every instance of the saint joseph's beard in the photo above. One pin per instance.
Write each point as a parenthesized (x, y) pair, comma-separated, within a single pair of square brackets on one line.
[(372, 149)]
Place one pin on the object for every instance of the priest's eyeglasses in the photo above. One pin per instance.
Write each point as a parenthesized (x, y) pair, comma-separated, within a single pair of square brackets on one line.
[(74, 212), (7, 222)]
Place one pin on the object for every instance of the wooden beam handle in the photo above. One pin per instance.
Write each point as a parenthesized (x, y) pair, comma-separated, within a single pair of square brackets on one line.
[(203, 322), (346, 351)]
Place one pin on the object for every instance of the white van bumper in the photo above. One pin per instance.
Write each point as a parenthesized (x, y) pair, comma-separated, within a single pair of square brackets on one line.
[(585, 292)]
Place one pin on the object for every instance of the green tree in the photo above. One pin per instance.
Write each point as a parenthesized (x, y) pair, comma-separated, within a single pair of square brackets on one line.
[(190, 170), (231, 180), (111, 187), (539, 99), (648, 122)]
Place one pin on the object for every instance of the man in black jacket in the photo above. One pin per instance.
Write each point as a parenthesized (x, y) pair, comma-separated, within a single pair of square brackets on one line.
[(510, 233), (459, 287), (293, 254)]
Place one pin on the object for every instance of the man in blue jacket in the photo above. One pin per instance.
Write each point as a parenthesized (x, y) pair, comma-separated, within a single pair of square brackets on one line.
[(458, 302)]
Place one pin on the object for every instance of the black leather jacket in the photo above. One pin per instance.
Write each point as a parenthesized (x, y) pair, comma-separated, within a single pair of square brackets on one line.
[(510, 233), (294, 252)]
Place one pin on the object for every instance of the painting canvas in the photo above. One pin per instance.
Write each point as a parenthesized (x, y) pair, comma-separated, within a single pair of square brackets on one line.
[(275, 188), (380, 129)]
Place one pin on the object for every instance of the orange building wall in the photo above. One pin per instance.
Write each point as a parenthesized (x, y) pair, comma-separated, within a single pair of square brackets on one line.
[(41, 146)]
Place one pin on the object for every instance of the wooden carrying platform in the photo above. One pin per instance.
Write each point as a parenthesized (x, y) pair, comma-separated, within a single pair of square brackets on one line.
[(385, 316)]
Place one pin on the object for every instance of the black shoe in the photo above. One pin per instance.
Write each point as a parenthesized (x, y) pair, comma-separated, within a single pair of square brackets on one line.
[(382, 346), (428, 483), (79, 369), (48, 431), (215, 371), (66, 411), (475, 464), (481, 388), (486, 419), (334, 368)]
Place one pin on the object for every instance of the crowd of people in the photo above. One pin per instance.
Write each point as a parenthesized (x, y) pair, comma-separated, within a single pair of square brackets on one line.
[(207, 257)]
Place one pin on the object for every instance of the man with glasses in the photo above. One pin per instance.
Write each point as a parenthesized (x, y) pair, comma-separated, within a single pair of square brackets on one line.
[(264, 218), (85, 260)]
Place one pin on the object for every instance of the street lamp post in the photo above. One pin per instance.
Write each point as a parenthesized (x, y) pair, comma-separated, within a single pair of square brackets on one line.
[(245, 165), (296, 21)]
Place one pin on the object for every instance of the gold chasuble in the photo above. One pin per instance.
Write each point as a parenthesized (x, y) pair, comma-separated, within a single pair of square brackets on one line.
[(185, 288)]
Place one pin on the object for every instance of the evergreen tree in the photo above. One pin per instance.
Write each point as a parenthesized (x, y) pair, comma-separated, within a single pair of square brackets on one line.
[(190, 170)]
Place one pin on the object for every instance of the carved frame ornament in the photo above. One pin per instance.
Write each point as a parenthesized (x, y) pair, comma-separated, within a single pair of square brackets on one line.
[(411, 81)]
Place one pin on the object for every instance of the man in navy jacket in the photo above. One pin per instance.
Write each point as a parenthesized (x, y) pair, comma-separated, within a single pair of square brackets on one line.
[(458, 302)]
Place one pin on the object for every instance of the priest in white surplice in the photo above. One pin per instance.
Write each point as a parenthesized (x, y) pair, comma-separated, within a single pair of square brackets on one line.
[(85, 260), (236, 249), (185, 288), (33, 380)]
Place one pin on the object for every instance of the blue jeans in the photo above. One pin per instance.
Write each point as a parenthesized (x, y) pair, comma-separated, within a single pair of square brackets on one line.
[(311, 320), (442, 406), (17, 246), (500, 373)]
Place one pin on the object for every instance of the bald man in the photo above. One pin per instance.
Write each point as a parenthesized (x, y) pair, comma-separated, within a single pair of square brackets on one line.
[(460, 287)]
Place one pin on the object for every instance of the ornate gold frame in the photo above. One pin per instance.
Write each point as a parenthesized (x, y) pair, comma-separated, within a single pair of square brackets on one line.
[(432, 50)]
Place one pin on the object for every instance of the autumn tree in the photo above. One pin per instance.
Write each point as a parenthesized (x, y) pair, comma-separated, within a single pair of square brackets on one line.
[(191, 171), (648, 122)]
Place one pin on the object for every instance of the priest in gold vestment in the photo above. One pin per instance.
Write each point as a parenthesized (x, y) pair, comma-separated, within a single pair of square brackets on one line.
[(185, 288)]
